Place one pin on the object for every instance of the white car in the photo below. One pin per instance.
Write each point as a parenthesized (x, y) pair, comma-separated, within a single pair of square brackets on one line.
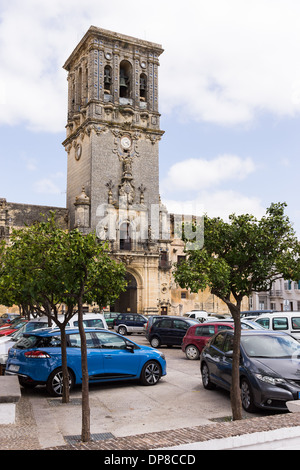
[(94, 320), (289, 322), (200, 315)]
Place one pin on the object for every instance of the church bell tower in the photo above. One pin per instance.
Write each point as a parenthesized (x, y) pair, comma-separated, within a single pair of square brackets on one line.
[(113, 134), (113, 126)]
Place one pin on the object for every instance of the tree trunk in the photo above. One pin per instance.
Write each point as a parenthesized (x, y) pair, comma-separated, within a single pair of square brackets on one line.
[(235, 392), (64, 365), (85, 432)]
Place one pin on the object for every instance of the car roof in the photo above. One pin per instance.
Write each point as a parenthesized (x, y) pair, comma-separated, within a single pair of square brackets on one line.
[(276, 314), (260, 332), (56, 331), (217, 322)]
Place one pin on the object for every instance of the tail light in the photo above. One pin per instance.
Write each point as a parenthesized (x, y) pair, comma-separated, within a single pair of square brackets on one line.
[(37, 354)]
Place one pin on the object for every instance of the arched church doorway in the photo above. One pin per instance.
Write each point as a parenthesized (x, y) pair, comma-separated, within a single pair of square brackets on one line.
[(127, 301)]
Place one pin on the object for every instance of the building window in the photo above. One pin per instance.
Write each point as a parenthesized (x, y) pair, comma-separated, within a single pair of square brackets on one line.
[(125, 239), (183, 295)]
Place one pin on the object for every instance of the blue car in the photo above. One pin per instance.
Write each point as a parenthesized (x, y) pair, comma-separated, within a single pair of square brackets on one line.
[(36, 359)]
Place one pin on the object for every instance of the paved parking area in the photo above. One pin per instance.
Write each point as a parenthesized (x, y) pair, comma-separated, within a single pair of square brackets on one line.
[(127, 414)]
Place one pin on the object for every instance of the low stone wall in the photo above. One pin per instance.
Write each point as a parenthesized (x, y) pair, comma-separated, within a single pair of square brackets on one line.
[(10, 394)]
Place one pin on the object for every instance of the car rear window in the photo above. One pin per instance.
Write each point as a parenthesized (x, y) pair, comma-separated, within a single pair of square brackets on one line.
[(32, 341), (206, 330)]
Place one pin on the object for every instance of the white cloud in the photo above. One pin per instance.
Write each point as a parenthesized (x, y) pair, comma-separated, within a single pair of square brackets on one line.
[(46, 186), (195, 174), (217, 204), (223, 61)]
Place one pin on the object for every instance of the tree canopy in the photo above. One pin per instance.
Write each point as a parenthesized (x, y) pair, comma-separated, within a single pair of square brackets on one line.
[(44, 267), (237, 258)]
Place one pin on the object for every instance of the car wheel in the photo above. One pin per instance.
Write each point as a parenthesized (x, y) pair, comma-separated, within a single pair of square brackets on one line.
[(122, 330), (151, 373), (55, 384), (192, 352), (207, 384), (247, 396), (155, 342)]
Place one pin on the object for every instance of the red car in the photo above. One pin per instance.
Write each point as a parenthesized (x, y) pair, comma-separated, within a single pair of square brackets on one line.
[(11, 329), (198, 335)]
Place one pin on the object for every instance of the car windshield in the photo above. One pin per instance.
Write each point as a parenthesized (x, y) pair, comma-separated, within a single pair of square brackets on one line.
[(271, 346)]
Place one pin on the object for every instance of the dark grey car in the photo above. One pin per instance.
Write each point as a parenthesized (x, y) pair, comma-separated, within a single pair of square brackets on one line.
[(169, 330), (269, 367)]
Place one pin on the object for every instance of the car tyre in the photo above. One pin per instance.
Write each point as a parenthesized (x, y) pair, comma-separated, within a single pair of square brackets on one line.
[(54, 383), (155, 342), (247, 396), (151, 373), (122, 330), (207, 384), (192, 352)]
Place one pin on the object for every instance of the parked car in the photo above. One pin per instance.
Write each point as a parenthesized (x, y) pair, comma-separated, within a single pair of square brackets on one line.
[(11, 329), (197, 336), (109, 317), (6, 318), (281, 321), (11, 323), (6, 342), (169, 330), (127, 323), (200, 315), (94, 320), (36, 359), (269, 375), (150, 320), (245, 324)]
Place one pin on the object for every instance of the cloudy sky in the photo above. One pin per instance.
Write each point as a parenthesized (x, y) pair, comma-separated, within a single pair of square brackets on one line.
[(229, 98)]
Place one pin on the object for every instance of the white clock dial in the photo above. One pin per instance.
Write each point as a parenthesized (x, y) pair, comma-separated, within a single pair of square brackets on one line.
[(126, 142)]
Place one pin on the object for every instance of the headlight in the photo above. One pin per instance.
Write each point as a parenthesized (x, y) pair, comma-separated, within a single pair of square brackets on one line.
[(270, 380), (162, 355)]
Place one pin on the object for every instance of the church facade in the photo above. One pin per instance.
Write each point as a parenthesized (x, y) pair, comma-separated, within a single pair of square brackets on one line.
[(112, 146)]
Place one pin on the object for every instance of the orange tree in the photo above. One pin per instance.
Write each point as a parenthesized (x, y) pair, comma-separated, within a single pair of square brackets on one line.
[(44, 267), (238, 257)]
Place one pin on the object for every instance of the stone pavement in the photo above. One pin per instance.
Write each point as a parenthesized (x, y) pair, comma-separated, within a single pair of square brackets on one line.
[(25, 433)]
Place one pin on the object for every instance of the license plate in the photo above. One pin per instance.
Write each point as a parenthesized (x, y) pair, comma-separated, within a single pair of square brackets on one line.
[(14, 368)]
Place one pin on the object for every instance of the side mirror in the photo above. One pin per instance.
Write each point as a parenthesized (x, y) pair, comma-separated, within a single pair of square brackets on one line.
[(130, 347)]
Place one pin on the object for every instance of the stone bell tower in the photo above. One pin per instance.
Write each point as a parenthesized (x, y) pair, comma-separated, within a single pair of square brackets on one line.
[(113, 134), (113, 127)]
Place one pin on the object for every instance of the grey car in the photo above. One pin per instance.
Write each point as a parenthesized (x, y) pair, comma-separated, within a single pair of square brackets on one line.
[(269, 365), (127, 323)]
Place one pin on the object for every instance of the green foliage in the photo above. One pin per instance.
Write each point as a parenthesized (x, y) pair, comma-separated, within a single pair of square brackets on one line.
[(242, 255), (45, 266)]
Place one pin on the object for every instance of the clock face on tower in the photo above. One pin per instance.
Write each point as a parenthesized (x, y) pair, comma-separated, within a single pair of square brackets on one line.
[(126, 142)]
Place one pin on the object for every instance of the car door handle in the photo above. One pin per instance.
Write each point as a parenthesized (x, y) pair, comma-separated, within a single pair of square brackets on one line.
[(108, 356)]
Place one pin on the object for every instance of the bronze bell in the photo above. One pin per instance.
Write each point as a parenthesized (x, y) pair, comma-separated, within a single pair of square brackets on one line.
[(142, 84), (123, 80)]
